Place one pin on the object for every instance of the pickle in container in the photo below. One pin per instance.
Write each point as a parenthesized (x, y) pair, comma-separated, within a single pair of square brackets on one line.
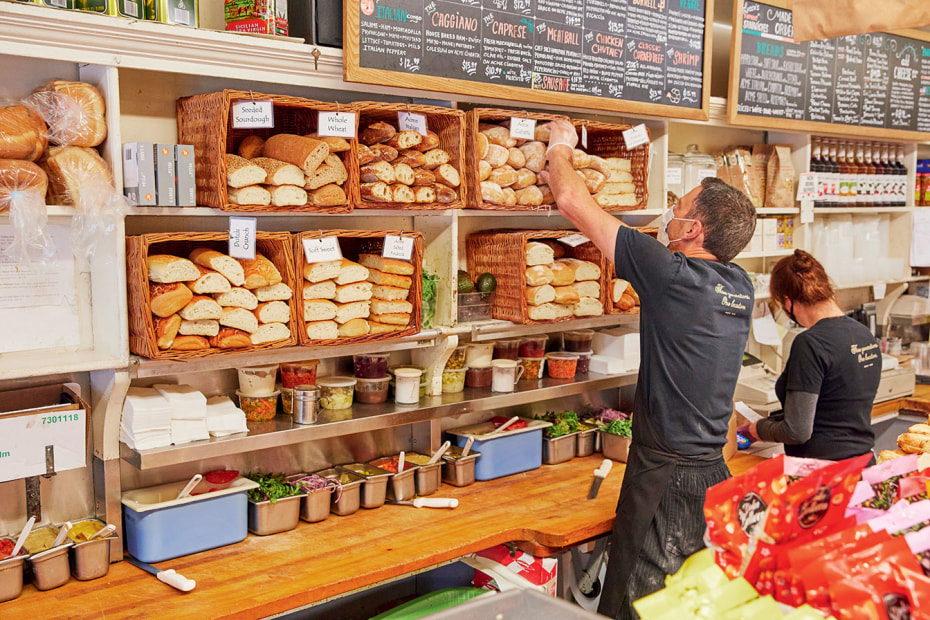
[(118, 8), (177, 12)]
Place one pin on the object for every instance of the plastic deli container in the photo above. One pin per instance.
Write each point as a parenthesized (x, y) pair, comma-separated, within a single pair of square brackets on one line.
[(372, 390), (478, 376), (457, 470), (533, 346), (336, 392), (370, 366), (479, 354), (266, 518), (507, 349), (503, 454), (453, 380), (11, 573), (259, 407), (561, 365), (287, 400), (299, 373), (374, 487), (158, 527), (409, 386), (584, 363), (456, 360), (258, 380), (578, 341), (532, 368)]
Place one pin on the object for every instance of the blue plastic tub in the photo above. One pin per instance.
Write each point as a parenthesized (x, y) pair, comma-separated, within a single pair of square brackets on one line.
[(158, 527), (510, 452)]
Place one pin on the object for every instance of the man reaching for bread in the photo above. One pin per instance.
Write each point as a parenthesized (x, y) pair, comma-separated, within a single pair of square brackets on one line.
[(696, 312)]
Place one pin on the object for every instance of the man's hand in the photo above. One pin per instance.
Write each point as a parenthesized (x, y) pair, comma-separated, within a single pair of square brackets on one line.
[(561, 132)]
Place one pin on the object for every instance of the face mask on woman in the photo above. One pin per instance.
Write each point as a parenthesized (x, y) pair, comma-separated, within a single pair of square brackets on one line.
[(667, 218)]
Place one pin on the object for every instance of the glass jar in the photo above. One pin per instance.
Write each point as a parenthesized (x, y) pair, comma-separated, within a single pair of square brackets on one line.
[(697, 167), (675, 174)]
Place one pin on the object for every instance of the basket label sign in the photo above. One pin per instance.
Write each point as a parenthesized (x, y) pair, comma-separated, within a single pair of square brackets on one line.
[(522, 128), (396, 246), (252, 114), (410, 121), (636, 136), (584, 137), (338, 124), (574, 240), (242, 237), (322, 249)]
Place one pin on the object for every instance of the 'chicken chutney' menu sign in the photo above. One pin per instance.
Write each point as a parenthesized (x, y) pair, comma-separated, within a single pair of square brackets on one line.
[(878, 83), (640, 56)]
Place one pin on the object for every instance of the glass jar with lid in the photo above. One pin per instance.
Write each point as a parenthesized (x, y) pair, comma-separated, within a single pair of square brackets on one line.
[(675, 174), (697, 167)]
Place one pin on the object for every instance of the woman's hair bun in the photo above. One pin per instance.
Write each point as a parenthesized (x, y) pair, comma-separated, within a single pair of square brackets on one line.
[(803, 262)]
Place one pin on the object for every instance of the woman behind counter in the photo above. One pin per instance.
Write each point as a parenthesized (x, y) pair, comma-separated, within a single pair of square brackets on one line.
[(832, 373)]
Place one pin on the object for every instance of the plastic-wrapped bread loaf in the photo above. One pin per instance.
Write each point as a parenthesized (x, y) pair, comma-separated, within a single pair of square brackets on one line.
[(21, 177), (74, 111), (23, 134)]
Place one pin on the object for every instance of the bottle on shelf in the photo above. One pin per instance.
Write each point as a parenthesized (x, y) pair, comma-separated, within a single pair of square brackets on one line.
[(863, 178), (901, 179), (817, 167), (847, 174), (887, 176), (833, 173)]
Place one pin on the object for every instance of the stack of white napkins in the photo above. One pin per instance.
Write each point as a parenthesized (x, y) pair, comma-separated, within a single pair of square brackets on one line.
[(188, 412), (224, 418), (146, 420)]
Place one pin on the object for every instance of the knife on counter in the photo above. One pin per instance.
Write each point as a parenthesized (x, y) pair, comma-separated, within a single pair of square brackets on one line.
[(429, 502), (173, 579), (599, 474)]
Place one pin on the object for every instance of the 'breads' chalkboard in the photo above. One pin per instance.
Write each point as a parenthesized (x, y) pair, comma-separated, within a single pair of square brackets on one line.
[(877, 83), (640, 56)]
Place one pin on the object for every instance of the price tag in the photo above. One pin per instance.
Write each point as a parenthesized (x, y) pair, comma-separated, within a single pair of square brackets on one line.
[(242, 237), (398, 247), (635, 136), (322, 249), (573, 240), (584, 137), (522, 128), (338, 124), (807, 211), (807, 186), (673, 176), (249, 114), (409, 121), (878, 290), (23, 439)]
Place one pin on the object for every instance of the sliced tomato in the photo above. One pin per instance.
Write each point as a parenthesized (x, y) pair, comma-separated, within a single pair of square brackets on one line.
[(221, 476), (500, 420)]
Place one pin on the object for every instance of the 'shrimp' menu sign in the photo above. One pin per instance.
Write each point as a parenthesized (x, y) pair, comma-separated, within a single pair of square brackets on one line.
[(649, 51)]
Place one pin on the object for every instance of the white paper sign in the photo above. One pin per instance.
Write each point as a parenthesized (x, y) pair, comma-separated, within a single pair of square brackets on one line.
[(23, 439), (747, 412), (409, 121), (636, 136), (249, 114), (397, 247), (242, 237), (764, 330), (704, 173), (339, 124), (573, 240), (807, 211), (920, 239), (522, 128), (584, 137), (878, 290), (807, 186), (673, 176), (322, 249)]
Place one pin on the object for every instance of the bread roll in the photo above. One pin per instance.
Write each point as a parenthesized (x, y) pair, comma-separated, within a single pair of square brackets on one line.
[(435, 158), (558, 249), (21, 176), (353, 310), (376, 276), (499, 136), (542, 131), (621, 176), (424, 194), (626, 302), (411, 157), (365, 155), (619, 188), (335, 143), (588, 288), (270, 332), (535, 155), (326, 270), (259, 272), (323, 330), (481, 149), (199, 327), (239, 318), (536, 295), (287, 195), (251, 195), (580, 159), (209, 282), (403, 140), (632, 293), (594, 181), (377, 192), (398, 318), (327, 196), (504, 176), (383, 152), (357, 291), (619, 163), (389, 293), (229, 267), (599, 164), (588, 306), (377, 171), (492, 192), (166, 329), (279, 172), (525, 178), (319, 310), (497, 155), (81, 125), (538, 275), (430, 141), (404, 174), (305, 153), (448, 175), (566, 295), (445, 194), (562, 274), (387, 265), (547, 197), (617, 287), (167, 299), (274, 292), (510, 196), (166, 268), (190, 343), (380, 306), (273, 312), (353, 327), (231, 338), (332, 170), (484, 170), (241, 172), (529, 196), (548, 312), (201, 307), (516, 159), (237, 297), (605, 199), (320, 290), (375, 327), (377, 132), (76, 176), (23, 134), (584, 270), (350, 272), (402, 193), (538, 254)]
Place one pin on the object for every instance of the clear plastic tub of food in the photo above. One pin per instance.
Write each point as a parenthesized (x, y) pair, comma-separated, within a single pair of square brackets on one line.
[(409, 386), (372, 366), (372, 390), (479, 354), (259, 408), (258, 380), (474, 307), (299, 373), (287, 400), (561, 365), (533, 346), (453, 381), (584, 363), (478, 376), (508, 349), (578, 340), (336, 392), (532, 368), (456, 360)]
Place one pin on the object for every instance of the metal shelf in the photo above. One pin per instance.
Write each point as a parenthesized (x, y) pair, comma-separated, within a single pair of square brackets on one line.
[(364, 418), (860, 210), (494, 328), (771, 254)]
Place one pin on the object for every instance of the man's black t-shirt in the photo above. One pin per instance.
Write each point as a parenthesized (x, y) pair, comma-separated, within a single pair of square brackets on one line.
[(693, 330), (839, 360)]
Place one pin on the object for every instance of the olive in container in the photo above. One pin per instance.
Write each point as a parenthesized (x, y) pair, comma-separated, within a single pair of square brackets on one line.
[(336, 392), (458, 470)]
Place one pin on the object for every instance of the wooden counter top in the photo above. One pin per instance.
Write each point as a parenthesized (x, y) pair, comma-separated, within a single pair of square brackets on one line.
[(265, 575)]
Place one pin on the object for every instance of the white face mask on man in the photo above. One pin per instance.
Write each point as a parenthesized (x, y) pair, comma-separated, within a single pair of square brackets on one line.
[(667, 218)]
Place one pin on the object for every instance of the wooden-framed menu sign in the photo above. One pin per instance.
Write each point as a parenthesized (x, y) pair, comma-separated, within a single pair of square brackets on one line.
[(871, 85), (635, 56)]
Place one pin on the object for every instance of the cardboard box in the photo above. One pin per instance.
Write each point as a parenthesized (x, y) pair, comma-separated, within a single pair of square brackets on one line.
[(755, 244), (139, 173), (177, 12), (117, 8), (55, 4), (165, 182), (184, 171), (770, 234), (542, 572)]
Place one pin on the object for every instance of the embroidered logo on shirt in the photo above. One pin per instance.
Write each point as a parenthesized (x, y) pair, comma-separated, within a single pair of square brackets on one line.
[(736, 301), (865, 354)]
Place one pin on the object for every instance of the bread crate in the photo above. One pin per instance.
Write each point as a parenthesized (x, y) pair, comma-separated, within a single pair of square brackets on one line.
[(276, 246), (449, 125), (205, 122), (353, 243), (503, 254), (606, 140)]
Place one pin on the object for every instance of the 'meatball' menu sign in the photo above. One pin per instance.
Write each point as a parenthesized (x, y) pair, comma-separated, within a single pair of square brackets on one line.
[(878, 81), (627, 55)]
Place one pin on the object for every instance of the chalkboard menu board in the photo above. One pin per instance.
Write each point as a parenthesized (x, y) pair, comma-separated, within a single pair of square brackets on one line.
[(640, 56), (878, 83)]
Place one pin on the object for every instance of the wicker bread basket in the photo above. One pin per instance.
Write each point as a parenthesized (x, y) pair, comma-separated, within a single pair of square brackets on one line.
[(606, 140)]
